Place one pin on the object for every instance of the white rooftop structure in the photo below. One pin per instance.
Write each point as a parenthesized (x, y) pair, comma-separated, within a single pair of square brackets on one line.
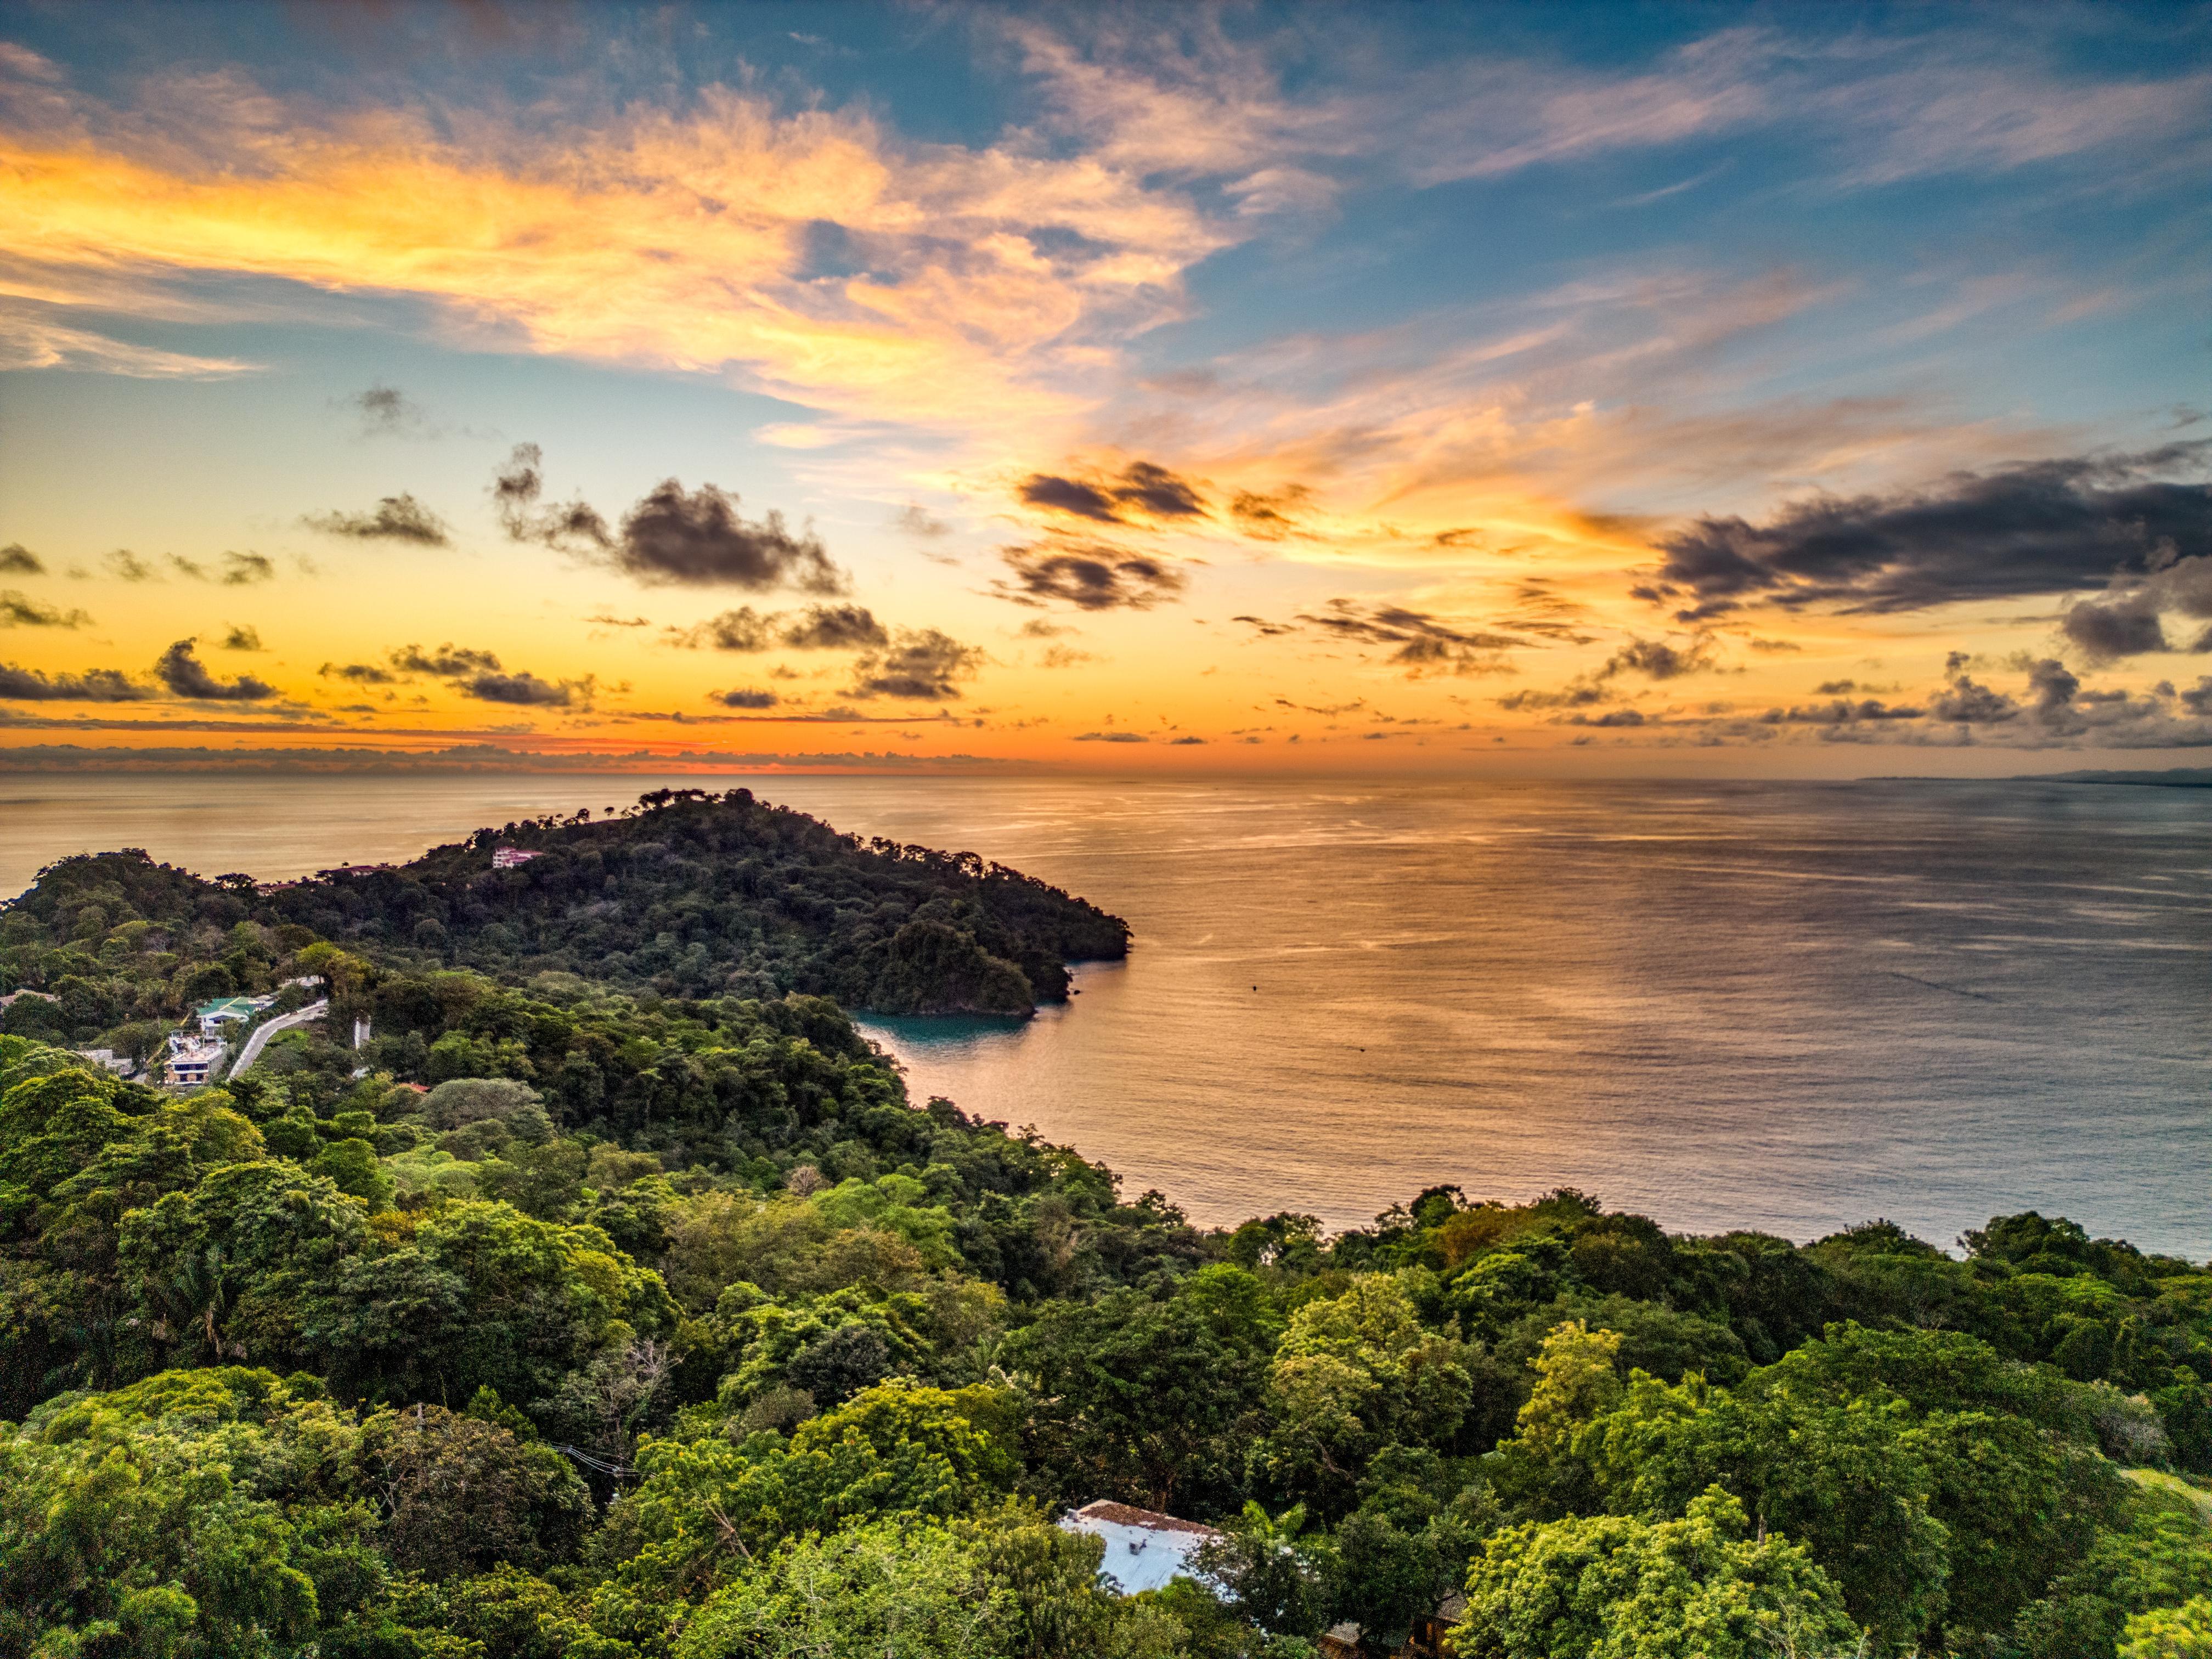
[(1145, 1549), (191, 1060)]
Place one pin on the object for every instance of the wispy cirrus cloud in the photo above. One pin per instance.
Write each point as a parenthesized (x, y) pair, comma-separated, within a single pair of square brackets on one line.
[(1419, 642), (1191, 98), (38, 337)]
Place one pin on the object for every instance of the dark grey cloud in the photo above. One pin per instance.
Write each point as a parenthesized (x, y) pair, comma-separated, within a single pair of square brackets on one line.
[(672, 537), (1155, 491), (388, 412), (834, 627), (1660, 660), (359, 673), (526, 690), (1069, 495), (1423, 642), (2041, 527), (448, 661), (2127, 620), (2053, 709), (1150, 490), (395, 519), (818, 627), (1089, 577), (239, 570), (242, 636), (2106, 630), (17, 560), (96, 685), (1576, 693), (570, 527), (700, 540), (1184, 743), (127, 567), (21, 611), (745, 698), (1841, 711), (1971, 704), (917, 520), (600, 619), (742, 629), (1968, 702), (2050, 710), (921, 664), (1112, 737), (180, 669), (2053, 685)]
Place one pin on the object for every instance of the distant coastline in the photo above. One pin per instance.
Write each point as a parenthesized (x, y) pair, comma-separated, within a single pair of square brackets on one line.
[(2177, 777)]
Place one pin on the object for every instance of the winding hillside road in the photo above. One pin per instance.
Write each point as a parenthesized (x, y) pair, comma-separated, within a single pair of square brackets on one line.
[(259, 1040)]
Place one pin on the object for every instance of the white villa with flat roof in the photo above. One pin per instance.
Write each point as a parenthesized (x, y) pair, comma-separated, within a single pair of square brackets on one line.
[(192, 1059), (1145, 1549)]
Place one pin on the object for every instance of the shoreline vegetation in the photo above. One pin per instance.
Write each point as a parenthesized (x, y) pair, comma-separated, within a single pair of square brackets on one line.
[(608, 1298)]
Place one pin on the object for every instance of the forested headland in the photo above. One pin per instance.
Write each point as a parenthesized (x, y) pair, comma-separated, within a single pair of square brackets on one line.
[(687, 894), (614, 1301)]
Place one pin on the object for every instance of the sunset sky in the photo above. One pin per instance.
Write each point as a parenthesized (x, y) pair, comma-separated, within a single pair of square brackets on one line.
[(1629, 389)]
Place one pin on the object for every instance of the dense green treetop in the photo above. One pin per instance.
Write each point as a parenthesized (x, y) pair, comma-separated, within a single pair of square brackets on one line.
[(591, 1312)]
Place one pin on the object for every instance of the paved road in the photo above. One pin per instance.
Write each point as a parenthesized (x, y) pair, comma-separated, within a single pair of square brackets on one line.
[(259, 1040)]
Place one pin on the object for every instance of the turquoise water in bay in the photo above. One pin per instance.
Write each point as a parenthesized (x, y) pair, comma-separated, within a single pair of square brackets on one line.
[(1787, 1006)]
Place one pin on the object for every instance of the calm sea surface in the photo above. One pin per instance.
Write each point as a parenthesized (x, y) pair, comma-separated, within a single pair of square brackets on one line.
[(1792, 1006)]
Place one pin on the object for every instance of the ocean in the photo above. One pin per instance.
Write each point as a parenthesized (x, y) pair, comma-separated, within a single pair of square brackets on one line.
[(1791, 1006)]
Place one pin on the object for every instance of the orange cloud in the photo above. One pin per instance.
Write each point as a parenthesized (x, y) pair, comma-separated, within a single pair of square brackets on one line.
[(810, 255)]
